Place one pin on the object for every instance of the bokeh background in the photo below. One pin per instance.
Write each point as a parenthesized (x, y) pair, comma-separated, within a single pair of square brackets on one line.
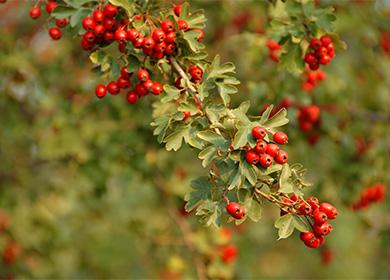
[(87, 192)]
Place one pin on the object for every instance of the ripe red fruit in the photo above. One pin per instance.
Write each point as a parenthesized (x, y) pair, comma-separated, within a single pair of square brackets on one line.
[(266, 160), (313, 243), (252, 157), (322, 229), (132, 35), (307, 236), (124, 73), (148, 84), (261, 147), (61, 23), (235, 210), (143, 75), (100, 91), (55, 33), (259, 132), (170, 37), (167, 26), (326, 40), (109, 36), (138, 43), (319, 217), (113, 88), (310, 58), (89, 36), (158, 35), (50, 6), (110, 10), (314, 66), (304, 208), (157, 88), (160, 47), (281, 157), (325, 60), (99, 30), (315, 44), (183, 25), (123, 82), (272, 149), (196, 73), (329, 210), (186, 115), (158, 55), (229, 254), (314, 203), (98, 16), (177, 9), (280, 138), (132, 97), (120, 35), (109, 24), (87, 45), (35, 12), (170, 49), (141, 90), (88, 23), (149, 43)]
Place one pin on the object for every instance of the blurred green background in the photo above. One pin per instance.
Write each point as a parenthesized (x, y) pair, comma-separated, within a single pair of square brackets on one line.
[(87, 192)]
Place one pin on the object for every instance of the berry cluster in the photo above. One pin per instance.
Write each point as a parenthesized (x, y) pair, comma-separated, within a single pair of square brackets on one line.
[(142, 88), (372, 194), (385, 42), (235, 210), (265, 153), (55, 31), (274, 49), (319, 214), (308, 117), (322, 52), (312, 77)]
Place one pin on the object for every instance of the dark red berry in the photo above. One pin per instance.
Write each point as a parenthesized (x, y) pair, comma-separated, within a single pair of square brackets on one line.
[(138, 43), (110, 10), (314, 203), (89, 36), (235, 210), (132, 97), (100, 91), (186, 115), (157, 88), (143, 75), (310, 58), (319, 217), (315, 44), (304, 208), (158, 35), (196, 73), (160, 47), (329, 210), (323, 229), (265, 160), (261, 147), (88, 23), (123, 82), (201, 34), (98, 16), (120, 35), (177, 10), (259, 132), (170, 37), (132, 35), (281, 157), (280, 137), (167, 26), (148, 84), (141, 90), (252, 157), (109, 36), (99, 30), (149, 43), (50, 6), (313, 243), (183, 25), (272, 149), (307, 236), (35, 12), (61, 23), (326, 40), (109, 24), (170, 49), (113, 88)]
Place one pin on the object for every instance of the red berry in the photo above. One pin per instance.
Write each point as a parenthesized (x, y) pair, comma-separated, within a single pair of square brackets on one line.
[(132, 97), (35, 12), (322, 239), (110, 10), (315, 44), (229, 254), (259, 132), (158, 35), (170, 49), (160, 47), (307, 236), (109, 36), (183, 25), (304, 208), (196, 73), (319, 217), (138, 43), (98, 16), (186, 115), (157, 88), (167, 26), (313, 243), (99, 30), (100, 91), (141, 90), (158, 55), (132, 35), (329, 210), (314, 203), (322, 229), (123, 82), (109, 24), (61, 23), (149, 43), (314, 66), (326, 40), (280, 138), (143, 75), (89, 36), (113, 88), (261, 147), (281, 157), (310, 58), (325, 60), (272, 149), (170, 37), (235, 210), (88, 23), (252, 157), (50, 6), (177, 9), (148, 84), (55, 33), (87, 45), (120, 35), (266, 160)]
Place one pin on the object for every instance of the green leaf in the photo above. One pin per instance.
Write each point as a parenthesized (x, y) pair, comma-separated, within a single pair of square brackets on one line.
[(278, 120), (162, 123), (220, 71), (201, 192), (286, 226), (284, 180), (253, 209), (301, 223), (213, 138), (235, 179), (191, 37), (78, 16), (63, 12), (172, 93), (207, 155), (133, 64), (224, 90), (241, 137), (291, 59), (76, 3), (128, 6), (248, 171), (174, 140)]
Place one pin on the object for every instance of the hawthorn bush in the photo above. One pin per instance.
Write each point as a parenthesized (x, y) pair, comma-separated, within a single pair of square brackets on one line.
[(100, 176)]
